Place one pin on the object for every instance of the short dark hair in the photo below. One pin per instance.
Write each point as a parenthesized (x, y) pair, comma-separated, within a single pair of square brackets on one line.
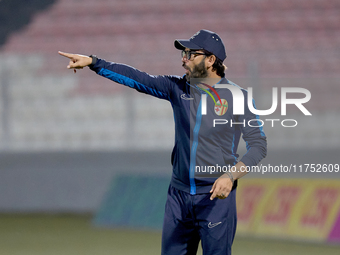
[(218, 65)]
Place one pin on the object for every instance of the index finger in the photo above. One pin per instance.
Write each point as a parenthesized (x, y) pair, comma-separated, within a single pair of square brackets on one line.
[(214, 194), (68, 55), (213, 187)]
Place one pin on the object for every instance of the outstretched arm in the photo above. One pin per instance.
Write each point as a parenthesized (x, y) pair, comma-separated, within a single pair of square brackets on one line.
[(159, 86)]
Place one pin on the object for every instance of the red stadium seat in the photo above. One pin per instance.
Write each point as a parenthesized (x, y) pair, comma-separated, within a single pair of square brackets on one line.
[(120, 27)]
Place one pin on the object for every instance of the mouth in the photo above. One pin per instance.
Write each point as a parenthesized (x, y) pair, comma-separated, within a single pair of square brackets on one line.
[(186, 68)]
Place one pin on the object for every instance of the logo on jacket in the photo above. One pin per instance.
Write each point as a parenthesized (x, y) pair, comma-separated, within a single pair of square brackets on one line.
[(221, 105), (184, 96), (210, 225)]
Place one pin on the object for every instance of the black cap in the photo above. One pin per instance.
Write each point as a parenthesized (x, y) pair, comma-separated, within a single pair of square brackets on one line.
[(204, 39)]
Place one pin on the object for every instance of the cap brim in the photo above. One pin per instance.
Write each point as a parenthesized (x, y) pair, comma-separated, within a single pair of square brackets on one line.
[(182, 44)]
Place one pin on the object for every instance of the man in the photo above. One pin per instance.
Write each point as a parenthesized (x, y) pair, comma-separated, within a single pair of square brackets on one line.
[(201, 203)]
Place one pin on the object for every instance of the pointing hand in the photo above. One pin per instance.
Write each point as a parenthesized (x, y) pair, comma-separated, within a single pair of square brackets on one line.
[(76, 61)]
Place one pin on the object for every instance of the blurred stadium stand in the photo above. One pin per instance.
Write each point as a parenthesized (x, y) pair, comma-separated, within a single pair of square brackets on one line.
[(286, 43), (46, 108), (16, 14)]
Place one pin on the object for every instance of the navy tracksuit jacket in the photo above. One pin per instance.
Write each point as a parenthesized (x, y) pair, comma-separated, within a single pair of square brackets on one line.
[(197, 142)]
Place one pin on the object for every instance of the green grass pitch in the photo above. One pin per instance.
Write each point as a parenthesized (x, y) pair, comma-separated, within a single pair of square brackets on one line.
[(74, 234)]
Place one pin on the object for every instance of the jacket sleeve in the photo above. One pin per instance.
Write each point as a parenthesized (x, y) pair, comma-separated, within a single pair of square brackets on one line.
[(253, 135), (158, 86)]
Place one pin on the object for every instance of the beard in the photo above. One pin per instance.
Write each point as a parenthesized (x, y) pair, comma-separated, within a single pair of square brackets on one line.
[(198, 71)]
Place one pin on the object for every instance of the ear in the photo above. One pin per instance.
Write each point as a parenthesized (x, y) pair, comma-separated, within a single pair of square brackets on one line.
[(210, 61)]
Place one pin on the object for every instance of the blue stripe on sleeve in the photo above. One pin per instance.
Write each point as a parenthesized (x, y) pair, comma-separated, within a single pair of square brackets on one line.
[(131, 83), (258, 122)]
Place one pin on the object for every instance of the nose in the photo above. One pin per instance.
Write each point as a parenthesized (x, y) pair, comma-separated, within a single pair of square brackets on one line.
[(184, 59)]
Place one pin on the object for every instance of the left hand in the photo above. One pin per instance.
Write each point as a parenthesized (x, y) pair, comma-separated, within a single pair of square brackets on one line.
[(221, 188)]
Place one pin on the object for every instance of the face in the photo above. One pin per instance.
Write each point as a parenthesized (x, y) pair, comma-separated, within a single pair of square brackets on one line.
[(195, 66)]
